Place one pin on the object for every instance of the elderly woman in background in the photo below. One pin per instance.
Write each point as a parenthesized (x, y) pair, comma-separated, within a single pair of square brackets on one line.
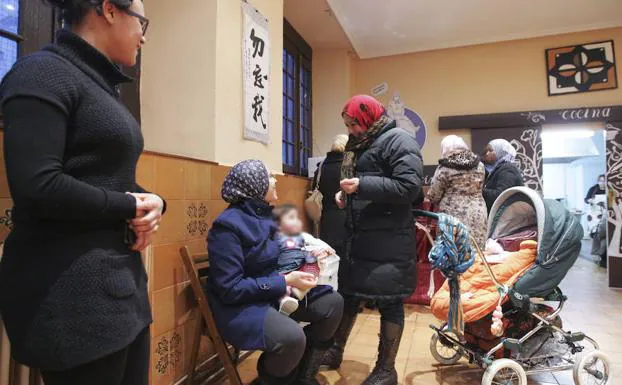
[(333, 222), (501, 172), (457, 186)]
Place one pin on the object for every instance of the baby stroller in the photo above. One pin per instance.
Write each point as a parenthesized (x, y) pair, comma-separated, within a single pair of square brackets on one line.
[(533, 340)]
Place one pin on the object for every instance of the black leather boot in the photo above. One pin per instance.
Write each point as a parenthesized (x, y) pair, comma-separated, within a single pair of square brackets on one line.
[(311, 362), (384, 373), (266, 379), (334, 355)]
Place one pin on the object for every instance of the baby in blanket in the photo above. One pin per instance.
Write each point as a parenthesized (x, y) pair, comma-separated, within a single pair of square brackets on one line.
[(298, 251), (479, 294)]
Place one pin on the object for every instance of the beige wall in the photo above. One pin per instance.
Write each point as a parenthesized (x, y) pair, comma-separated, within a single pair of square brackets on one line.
[(501, 77), (191, 96), (230, 146), (178, 79), (333, 83)]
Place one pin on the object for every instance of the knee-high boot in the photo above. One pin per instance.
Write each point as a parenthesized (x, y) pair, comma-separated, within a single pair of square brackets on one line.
[(334, 356), (384, 373), (265, 378), (311, 362)]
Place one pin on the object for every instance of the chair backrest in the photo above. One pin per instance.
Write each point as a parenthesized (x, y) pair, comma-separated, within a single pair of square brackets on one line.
[(193, 264)]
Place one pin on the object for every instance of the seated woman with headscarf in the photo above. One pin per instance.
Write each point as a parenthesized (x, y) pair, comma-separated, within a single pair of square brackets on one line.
[(244, 286), (457, 186), (501, 172)]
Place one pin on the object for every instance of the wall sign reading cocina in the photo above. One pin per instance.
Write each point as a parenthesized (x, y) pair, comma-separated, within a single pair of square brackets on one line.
[(586, 114)]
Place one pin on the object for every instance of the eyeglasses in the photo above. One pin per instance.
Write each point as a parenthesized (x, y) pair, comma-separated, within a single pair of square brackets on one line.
[(144, 22)]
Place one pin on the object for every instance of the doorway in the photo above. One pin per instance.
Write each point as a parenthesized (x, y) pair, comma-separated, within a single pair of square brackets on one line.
[(526, 122), (574, 168)]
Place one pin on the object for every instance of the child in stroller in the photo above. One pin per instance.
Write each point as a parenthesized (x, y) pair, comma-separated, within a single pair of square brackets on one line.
[(508, 332)]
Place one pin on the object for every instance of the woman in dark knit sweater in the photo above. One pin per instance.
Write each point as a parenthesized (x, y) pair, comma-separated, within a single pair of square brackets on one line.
[(73, 288), (333, 222)]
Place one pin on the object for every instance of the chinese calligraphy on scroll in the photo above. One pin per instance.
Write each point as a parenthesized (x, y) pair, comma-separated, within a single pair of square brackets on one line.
[(256, 72)]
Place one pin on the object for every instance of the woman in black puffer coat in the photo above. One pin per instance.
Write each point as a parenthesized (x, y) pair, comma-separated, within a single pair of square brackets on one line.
[(381, 178)]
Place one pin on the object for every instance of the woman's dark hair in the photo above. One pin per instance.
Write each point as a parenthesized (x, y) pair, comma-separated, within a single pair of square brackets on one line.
[(72, 12), (280, 211)]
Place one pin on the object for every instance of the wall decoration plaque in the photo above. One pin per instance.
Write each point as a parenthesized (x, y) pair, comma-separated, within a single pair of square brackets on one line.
[(581, 68)]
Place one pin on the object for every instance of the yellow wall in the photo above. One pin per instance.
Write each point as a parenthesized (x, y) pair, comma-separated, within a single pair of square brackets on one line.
[(192, 96), (178, 79), (230, 146), (500, 77), (333, 82), (192, 100)]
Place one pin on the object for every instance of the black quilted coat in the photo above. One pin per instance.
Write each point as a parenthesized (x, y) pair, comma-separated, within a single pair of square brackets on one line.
[(381, 247)]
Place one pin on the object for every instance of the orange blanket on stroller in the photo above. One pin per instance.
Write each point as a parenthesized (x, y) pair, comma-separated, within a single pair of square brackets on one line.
[(479, 295)]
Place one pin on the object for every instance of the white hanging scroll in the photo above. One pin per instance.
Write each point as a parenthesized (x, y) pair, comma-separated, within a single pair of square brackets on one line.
[(256, 72)]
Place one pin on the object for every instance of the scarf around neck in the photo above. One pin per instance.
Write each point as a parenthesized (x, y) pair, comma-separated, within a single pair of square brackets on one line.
[(460, 160), (370, 114), (361, 143)]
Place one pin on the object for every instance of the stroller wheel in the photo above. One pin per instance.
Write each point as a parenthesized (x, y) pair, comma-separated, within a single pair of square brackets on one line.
[(444, 351), (504, 372), (592, 368)]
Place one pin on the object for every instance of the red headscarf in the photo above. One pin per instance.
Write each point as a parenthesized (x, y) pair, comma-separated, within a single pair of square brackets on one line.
[(365, 109)]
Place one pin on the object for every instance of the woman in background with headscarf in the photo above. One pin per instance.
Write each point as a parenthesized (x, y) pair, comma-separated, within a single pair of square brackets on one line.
[(501, 172), (457, 186), (381, 177), (244, 286)]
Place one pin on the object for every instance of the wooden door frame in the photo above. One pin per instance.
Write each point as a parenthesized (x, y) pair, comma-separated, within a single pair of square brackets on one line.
[(610, 115)]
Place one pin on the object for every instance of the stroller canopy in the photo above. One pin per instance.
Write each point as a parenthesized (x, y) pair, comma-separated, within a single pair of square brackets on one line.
[(559, 236)]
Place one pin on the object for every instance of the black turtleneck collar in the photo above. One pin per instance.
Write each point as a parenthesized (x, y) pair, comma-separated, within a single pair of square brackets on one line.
[(89, 59), (334, 155)]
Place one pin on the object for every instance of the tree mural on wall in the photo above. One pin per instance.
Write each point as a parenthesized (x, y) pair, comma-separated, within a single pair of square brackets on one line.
[(529, 157), (614, 189)]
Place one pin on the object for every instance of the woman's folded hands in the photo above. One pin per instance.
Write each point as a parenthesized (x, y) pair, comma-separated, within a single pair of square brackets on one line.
[(147, 221)]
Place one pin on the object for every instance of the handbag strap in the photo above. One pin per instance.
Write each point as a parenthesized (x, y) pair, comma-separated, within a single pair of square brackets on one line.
[(319, 175)]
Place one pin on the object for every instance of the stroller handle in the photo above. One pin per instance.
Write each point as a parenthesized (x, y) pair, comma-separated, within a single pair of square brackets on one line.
[(423, 213)]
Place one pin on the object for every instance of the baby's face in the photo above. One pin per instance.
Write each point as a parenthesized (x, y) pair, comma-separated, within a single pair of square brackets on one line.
[(291, 223)]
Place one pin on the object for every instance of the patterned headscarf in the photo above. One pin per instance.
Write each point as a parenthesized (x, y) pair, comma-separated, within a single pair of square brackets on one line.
[(248, 179), (506, 153)]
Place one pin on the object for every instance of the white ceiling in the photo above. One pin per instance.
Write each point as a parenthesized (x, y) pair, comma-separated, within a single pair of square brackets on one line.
[(390, 27), (315, 22)]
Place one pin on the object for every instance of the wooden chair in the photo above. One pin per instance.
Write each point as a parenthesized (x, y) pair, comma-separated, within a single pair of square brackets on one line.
[(207, 325)]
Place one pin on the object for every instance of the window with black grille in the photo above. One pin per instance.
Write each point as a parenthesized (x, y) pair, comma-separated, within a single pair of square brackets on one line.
[(297, 106), (28, 25)]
